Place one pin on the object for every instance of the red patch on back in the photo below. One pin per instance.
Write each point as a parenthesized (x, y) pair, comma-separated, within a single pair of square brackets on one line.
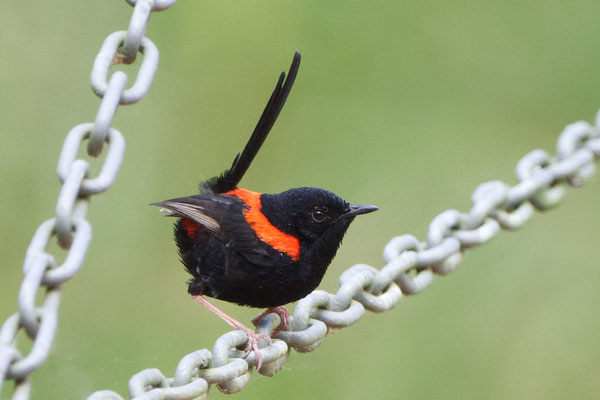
[(264, 229), (190, 227)]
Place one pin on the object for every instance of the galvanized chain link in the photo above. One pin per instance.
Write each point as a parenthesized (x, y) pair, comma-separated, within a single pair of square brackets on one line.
[(69, 225), (410, 268)]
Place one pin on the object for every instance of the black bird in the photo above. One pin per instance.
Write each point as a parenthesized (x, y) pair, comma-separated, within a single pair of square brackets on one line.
[(255, 249)]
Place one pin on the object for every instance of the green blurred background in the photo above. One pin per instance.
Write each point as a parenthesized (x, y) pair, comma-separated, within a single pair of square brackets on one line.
[(407, 105)]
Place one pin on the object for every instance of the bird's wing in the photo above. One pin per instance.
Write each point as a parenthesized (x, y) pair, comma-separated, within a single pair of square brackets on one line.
[(223, 216), (200, 209)]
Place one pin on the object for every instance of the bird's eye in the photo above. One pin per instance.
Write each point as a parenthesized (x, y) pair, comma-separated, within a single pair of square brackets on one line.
[(318, 216)]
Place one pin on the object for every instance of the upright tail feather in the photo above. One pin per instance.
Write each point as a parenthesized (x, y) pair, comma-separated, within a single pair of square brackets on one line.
[(229, 179)]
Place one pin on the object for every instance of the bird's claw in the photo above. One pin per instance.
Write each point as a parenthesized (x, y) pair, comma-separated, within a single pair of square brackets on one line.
[(252, 344), (284, 316)]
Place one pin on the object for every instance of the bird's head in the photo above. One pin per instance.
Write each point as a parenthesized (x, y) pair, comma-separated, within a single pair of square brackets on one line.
[(317, 217)]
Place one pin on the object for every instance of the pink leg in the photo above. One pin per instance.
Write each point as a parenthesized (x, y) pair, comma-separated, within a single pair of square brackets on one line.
[(252, 336), (283, 313)]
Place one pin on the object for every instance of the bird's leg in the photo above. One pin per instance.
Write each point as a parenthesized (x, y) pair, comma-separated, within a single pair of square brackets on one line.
[(253, 337), (283, 313)]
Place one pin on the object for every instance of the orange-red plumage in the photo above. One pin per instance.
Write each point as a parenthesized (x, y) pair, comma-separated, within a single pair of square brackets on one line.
[(190, 227), (263, 228)]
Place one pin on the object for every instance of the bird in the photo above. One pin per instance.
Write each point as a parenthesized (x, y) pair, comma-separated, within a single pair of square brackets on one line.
[(257, 249)]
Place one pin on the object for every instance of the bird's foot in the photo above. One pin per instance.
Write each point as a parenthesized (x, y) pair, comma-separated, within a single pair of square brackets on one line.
[(283, 313), (252, 344)]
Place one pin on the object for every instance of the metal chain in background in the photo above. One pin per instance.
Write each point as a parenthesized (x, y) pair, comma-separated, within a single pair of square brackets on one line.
[(69, 225), (410, 268)]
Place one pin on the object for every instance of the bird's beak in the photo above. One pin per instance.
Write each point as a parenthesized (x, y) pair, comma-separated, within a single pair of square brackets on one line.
[(361, 209)]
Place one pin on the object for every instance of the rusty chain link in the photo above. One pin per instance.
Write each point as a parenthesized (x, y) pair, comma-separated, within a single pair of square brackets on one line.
[(72, 230), (410, 268)]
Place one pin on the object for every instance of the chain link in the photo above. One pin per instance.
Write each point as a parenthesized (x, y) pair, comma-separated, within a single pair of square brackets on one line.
[(410, 267), (69, 225)]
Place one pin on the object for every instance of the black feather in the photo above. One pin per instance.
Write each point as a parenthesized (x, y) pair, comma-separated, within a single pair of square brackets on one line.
[(229, 179)]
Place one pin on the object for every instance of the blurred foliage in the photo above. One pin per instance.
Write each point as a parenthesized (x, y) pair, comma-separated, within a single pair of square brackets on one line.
[(407, 105)]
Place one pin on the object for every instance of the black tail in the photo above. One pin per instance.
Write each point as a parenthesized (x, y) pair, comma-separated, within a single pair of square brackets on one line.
[(229, 179)]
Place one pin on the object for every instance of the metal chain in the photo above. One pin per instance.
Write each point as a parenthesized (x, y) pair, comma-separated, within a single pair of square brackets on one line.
[(410, 268), (69, 225)]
